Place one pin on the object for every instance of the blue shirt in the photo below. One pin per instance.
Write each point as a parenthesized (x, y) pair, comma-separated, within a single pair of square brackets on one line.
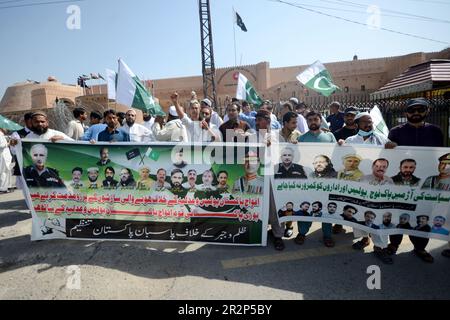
[(336, 121), (93, 131), (251, 120), (115, 136)]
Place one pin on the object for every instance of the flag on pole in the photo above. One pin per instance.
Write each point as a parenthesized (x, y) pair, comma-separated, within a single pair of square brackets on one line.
[(111, 82), (245, 91), (94, 76), (378, 122), (152, 154), (240, 23), (317, 78), (132, 93), (9, 125)]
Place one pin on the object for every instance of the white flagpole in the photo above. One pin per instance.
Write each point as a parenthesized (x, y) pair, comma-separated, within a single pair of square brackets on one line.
[(234, 36)]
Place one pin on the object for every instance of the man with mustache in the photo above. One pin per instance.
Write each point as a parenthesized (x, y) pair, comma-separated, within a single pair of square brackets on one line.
[(378, 177), (406, 175), (109, 181), (315, 133), (442, 180)]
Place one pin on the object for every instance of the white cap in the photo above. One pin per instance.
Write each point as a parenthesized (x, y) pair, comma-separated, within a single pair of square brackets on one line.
[(207, 101), (362, 114), (293, 100), (173, 111)]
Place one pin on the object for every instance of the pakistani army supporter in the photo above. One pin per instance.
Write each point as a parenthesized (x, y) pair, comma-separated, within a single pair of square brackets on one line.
[(300, 108), (198, 123), (76, 127), (336, 117), (235, 127), (112, 133), (417, 132), (289, 132), (215, 118), (96, 127), (136, 131), (173, 130), (350, 128), (40, 129)]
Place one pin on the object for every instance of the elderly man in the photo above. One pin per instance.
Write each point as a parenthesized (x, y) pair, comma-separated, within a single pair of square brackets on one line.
[(38, 175), (136, 131)]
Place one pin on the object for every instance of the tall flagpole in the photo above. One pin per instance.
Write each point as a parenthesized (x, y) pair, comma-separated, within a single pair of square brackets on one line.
[(234, 36)]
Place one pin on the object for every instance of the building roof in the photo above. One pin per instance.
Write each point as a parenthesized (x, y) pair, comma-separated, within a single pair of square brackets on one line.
[(433, 74)]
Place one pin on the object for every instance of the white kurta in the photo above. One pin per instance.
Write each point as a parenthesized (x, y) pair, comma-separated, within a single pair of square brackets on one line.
[(5, 164)]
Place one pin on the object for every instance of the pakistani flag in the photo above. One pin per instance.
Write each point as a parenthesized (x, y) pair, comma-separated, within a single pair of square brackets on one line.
[(152, 154), (378, 122), (132, 93), (245, 91), (9, 125), (240, 23), (317, 78)]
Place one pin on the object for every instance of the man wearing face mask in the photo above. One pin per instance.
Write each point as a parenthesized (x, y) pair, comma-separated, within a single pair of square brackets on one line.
[(366, 133)]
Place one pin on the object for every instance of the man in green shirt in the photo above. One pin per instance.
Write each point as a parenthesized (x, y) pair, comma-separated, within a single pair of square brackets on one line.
[(315, 133)]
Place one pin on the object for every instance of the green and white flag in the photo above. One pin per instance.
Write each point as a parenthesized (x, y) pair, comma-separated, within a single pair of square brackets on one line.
[(245, 91), (152, 154), (9, 125), (317, 78), (132, 93), (378, 122)]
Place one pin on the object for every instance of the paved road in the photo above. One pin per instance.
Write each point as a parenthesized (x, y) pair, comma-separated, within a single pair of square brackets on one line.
[(148, 270)]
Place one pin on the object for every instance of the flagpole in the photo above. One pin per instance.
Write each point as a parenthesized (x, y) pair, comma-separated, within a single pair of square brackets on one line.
[(234, 36)]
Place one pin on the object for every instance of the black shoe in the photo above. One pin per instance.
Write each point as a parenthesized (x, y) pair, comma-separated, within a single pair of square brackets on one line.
[(383, 255), (288, 232), (279, 244)]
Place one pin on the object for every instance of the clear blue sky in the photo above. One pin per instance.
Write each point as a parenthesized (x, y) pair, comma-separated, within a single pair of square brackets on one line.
[(161, 38)]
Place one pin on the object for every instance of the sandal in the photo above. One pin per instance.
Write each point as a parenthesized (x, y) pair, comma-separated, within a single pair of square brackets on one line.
[(446, 253), (329, 243), (288, 232), (337, 228), (424, 255), (279, 244), (391, 249), (299, 239)]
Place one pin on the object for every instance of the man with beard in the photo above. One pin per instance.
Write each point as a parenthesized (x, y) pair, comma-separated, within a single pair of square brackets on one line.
[(369, 218), (438, 226), (38, 175), (396, 239), (40, 129), (323, 168), (366, 133), (378, 177), (304, 209), (93, 176), (144, 183), (234, 130), (350, 128), (442, 180), (304, 226), (192, 179), (126, 179), (422, 224), (161, 184), (417, 132), (149, 121), (348, 213), (289, 132), (287, 210), (222, 179), (315, 133), (406, 175), (336, 117), (176, 180), (351, 168), (288, 169), (109, 181), (136, 131), (112, 132)]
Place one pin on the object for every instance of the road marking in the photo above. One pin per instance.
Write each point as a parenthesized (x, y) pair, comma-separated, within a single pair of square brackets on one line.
[(285, 256)]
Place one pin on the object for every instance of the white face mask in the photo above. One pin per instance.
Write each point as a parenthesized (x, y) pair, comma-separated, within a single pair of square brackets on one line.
[(365, 133)]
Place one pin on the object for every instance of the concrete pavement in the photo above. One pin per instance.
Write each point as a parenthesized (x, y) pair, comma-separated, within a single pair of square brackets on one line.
[(62, 269)]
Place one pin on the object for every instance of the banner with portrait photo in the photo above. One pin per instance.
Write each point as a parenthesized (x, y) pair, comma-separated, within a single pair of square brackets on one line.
[(405, 190), (159, 192)]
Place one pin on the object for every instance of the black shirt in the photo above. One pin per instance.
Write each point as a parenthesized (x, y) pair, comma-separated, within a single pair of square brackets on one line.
[(49, 178), (427, 135), (344, 132)]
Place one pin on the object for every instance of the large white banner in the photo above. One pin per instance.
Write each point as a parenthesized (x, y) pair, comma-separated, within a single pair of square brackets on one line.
[(405, 190)]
